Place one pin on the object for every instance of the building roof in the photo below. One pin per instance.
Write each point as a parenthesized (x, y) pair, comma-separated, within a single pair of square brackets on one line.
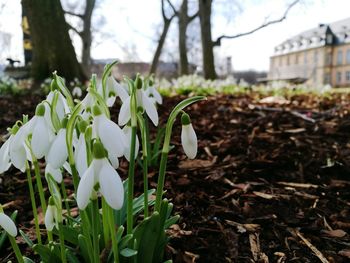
[(317, 37)]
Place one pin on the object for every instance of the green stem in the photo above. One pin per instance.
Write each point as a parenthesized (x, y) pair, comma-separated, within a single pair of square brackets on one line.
[(16, 249), (161, 179), (105, 221), (62, 247), (131, 175), (32, 199), (65, 197), (113, 235), (95, 227), (86, 226), (145, 185)]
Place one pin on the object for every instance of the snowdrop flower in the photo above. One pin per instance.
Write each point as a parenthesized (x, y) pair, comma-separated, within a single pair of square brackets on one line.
[(7, 224), (102, 177), (58, 152), (42, 134), (5, 156), (127, 132), (80, 154), (142, 101), (188, 137), (114, 89), (61, 107), (110, 134), (77, 92), (51, 215), (55, 173), (153, 94)]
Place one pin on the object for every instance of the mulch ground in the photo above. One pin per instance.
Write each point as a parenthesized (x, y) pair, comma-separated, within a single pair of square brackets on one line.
[(270, 183)]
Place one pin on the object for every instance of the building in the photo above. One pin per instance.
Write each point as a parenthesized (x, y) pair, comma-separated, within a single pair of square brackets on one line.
[(315, 57)]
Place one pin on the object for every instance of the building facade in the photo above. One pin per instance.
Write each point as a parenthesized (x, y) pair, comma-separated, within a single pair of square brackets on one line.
[(316, 57)]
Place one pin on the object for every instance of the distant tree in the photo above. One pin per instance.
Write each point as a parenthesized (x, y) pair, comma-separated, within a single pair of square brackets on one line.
[(85, 34), (167, 22), (52, 46), (208, 44)]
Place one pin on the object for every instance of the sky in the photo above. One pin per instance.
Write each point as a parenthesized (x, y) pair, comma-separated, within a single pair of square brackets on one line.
[(131, 28)]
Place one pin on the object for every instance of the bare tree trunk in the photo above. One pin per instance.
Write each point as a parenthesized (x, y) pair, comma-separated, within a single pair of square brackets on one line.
[(207, 43), (52, 46), (159, 47), (183, 23), (86, 36)]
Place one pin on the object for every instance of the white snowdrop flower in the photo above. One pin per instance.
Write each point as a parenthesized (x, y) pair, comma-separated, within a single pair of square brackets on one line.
[(142, 101), (51, 216), (58, 152), (55, 173), (42, 134), (61, 107), (80, 153), (188, 137), (100, 173), (5, 156), (114, 89), (110, 134), (127, 132), (8, 225), (153, 94), (77, 92)]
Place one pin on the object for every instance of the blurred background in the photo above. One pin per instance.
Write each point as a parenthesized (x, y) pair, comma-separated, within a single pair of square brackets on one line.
[(211, 38)]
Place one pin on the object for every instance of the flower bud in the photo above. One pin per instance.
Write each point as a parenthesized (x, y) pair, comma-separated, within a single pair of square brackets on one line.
[(82, 126), (96, 111), (99, 151), (40, 110), (138, 82), (185, 119)]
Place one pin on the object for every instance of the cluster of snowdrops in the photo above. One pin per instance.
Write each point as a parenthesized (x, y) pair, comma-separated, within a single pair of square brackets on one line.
[(78, 139)]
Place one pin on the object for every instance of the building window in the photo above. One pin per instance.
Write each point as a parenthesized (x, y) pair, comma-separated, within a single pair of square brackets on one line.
[(347, 76), (316, 57), (340, 57), (348, 56), (327, 78), (329, 39), (338, 80), (329, 59)]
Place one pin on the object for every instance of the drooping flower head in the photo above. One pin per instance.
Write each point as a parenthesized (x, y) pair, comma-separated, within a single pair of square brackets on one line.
[(51, 216), (7, 224), (188, 137), (100, 176)]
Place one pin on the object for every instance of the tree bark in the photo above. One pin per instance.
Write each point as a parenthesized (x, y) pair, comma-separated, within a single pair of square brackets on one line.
[(183, 23), (86, 36), (207, 43), (52, 46)]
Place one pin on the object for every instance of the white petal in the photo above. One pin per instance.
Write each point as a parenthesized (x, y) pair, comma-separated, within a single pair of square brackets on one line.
[(85, 187), (55, 173), (114, 161), (41, 138), (22, 134), (150, 109), (58, 151), (113, 85), (189, 141), (49, 218), (112, 137), (18, 158), (124, 113), (156, 95), (8, 225), (80, 155), (110, 101), (127, 132), (5, 156), (66, 166), (111, 186)]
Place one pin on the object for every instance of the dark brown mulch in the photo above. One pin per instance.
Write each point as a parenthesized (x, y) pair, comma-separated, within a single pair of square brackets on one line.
[(269, 184)]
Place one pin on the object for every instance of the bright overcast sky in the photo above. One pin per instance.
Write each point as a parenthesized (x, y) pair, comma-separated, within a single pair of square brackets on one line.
[(130, 26)]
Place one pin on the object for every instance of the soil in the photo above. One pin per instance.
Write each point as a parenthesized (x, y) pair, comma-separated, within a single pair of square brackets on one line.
[(270, 182)]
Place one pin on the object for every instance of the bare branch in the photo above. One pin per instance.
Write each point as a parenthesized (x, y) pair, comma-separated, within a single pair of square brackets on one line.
[(74, 14), (74, 29), (175, 13), (190, 18), (217, 42), (172, 7)]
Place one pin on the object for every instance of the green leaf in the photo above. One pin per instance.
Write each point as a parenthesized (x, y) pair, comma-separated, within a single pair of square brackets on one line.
[(172, 220), (62, 87), (85, 248), (125, 240), (107, 71), (26, 238), (71, 257), (27, 260), (46, 254), (70, 234), (100, 101), (128, 252)]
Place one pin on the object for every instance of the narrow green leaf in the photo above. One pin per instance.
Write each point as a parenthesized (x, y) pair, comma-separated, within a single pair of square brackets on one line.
[(128, 252), (26, 238)]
